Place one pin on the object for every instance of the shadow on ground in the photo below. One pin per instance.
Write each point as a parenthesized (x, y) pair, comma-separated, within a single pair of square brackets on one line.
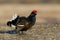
[(9, 32)]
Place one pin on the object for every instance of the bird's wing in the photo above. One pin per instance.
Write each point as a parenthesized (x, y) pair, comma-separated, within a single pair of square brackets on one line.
[(20, 25)]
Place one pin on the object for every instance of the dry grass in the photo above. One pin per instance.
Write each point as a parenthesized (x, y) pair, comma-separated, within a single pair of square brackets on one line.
[(47, 13)]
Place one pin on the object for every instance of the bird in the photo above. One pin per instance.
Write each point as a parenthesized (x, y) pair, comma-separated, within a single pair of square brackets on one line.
[(22, 23)]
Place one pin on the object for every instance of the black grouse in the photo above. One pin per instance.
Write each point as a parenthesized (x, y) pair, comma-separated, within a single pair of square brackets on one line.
[(23, 23)]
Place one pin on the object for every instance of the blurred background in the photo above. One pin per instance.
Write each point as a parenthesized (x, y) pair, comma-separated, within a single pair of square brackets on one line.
[(48, 12), (30, 1)]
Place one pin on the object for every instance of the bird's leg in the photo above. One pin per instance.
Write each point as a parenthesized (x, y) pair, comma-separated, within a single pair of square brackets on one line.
[(17, 30), (22, 32)]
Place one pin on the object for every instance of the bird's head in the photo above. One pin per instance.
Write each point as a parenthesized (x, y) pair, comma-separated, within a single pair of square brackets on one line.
[(34, 11)]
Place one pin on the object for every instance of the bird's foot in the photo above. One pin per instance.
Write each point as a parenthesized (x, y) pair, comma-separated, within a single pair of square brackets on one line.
[(22, 32)]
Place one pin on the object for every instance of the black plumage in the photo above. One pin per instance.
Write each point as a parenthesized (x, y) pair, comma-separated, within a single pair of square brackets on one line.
[(23, 23)]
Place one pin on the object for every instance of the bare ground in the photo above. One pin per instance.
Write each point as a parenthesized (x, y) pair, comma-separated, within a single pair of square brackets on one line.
[(47, 25)]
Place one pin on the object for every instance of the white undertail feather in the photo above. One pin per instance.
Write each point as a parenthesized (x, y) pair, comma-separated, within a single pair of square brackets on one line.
[(20, 25), (14, 17)]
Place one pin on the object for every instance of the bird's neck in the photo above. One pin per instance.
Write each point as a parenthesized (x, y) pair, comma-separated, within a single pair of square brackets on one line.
[(32, 16)]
